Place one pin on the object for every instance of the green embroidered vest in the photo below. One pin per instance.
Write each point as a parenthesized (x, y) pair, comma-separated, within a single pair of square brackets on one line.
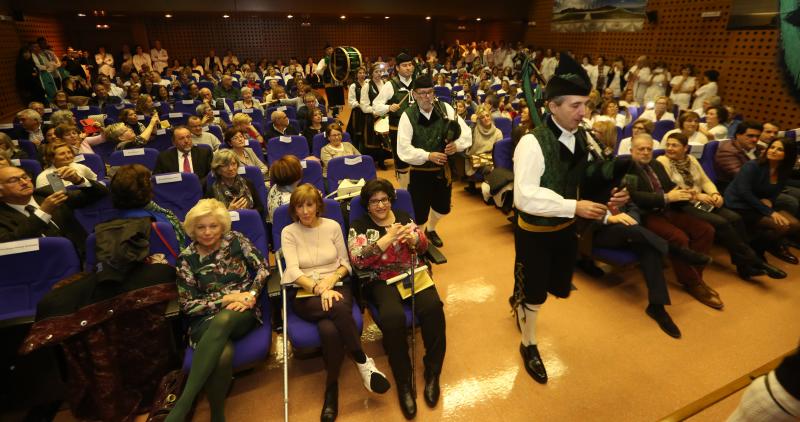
[(428, 134)]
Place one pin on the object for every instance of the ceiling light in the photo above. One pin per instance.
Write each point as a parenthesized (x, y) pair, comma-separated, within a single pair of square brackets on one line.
[(343, 17), (102, 26), (477, 19), (167, 15), (226, 16), (427, 18), (81, 15), (289, 16), (386, 17)]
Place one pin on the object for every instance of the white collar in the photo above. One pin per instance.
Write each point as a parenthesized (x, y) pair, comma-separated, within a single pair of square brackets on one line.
[(21, 208), (403, 80)]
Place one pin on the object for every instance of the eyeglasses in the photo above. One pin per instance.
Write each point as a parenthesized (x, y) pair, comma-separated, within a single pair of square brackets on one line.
[(425, 93), (383, 201), (17, 179)]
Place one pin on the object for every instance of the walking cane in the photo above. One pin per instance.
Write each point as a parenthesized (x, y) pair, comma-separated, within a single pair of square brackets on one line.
[(413, 323)]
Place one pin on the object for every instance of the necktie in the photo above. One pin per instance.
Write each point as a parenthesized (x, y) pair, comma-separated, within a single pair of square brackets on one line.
[(187, 166), (601, 78), (52, 228), (653, 180)]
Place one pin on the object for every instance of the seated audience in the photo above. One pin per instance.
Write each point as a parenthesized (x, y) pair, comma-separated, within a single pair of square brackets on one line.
[(314, 127), (525, 125), (769, 133), (660, 111), (8, 148), (382, 242), (58, 158), (689, 238), (688, 124), (707, 204), (247, 101), (714, 127), (70, 135), (132, 194), (200, 136), (335, 147), (61, 117), (244, 123), (609, 111), (317, 267), (640, 126), (32, 128), (27, 214), (479, 156), (236, 139), (61, 102), (145, 105), (731, 155), (285, 174), (230, 187), (753, 194), (221, 276), (185, 157), (101, 97), (605, 133), (122, 135), (279, 127), (225, 89), (131, 120)]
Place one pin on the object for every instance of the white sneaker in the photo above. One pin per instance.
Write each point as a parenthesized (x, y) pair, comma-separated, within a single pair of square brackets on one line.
[(374, 380)]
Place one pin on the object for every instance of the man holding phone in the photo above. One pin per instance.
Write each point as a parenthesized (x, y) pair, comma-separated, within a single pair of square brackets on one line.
[(25, 213)]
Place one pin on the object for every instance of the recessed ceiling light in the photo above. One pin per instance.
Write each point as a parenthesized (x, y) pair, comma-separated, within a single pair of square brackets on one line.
[(386, 17), (82, 15), (226, 16), (477, 19), (167, 15), (427, 18), (289, 16), (343, 17)]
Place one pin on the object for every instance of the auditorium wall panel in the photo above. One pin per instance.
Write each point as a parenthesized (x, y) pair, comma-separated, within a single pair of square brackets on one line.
[(748, 60)]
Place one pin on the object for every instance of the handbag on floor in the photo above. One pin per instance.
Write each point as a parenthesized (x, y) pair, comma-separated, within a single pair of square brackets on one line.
[(169, 389)]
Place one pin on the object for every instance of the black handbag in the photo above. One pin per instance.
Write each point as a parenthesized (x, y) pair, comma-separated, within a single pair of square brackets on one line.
[(169, 389)]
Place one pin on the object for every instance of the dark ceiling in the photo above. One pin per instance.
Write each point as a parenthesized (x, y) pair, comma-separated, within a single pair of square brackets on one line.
[(447, 9)]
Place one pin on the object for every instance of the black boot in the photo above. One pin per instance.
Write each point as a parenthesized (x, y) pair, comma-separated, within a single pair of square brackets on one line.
[(432, 391), (588, 266), (330, 409), (407, 403), (689, 256), (660, 315)]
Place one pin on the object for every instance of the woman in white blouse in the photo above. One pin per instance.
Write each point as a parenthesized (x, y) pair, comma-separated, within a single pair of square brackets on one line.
[(60, 155), (609, 112), (683, 86), (660, 110), (141, 59), (714, 127), (708, 89), (688, 124), (105, 62), (658, 82)]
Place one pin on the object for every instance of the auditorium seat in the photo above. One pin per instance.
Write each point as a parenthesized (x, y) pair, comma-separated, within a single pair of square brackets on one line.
[(312, 173), (503, 154), (504, 124), (284, 145), (144, 156), (156, 245), (31, 166), (177, 192), (254, 175), (94, 162), (350, 167), (319, 141)]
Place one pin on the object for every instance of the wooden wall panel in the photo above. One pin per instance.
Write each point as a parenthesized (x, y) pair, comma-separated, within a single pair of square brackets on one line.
[(749, 63)]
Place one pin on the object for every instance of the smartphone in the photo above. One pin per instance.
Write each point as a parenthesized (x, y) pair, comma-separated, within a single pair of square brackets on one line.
[(55, 182), (703, 206), (164, 124)]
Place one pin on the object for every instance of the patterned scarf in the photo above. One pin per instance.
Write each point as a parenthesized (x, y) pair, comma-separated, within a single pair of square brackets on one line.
[(683, 167), (180, 233), (227, 194)]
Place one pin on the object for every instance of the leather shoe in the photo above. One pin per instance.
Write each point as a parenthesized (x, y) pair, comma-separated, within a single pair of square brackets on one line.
[(704, 295), (689, 256), (431, 392), (533, 363), (747, 271), (434, 238), (591, 269), (471, 189), (407, 403), (330, 409), (660, 315), (782, 253), (772, 271)]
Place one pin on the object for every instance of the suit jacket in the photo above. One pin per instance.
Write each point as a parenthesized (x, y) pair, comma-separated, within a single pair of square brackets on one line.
[(729, 160), (271, 132), (15, 226), (643, 193), (167, 162)]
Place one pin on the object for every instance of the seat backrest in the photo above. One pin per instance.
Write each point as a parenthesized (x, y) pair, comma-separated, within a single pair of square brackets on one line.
[(350, 167), (707, 159), (441, 91), (503, 154), (175, 118), (27, 146), (94, 162), (97, 212), (144, 156), (250, 224), (82, 112), (30, 268), (252, 174), (177, 192), (284, 145), (661, 127), (186, 106), (31, 166), (254, 114), (214, 130), (112, 110), (281, 219), (504, 124), (515, 121), (312, 173), (161, 140), (156, 245), (402, 203)]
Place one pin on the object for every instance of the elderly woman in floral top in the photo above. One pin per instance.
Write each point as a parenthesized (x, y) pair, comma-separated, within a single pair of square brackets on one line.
[(219, 294), (383, 241)]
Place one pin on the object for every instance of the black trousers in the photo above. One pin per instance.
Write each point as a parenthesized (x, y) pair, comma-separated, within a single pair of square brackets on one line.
[(730, 231), (544, 263), (337, 328), (398, 163), (429, 189), (430, 315), (620, 236)]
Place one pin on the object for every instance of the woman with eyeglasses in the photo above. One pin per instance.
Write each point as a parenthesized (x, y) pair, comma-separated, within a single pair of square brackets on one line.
[(383, 242), (639, 126)]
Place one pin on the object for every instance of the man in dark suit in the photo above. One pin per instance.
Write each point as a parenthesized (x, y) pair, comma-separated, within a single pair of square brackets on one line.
[(25, 213), (689, 238), (280, 126), (101, 97), (185, 157)]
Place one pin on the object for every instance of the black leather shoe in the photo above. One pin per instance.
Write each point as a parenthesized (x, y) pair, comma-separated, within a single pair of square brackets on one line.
[(772, 271), (431, 392), (660, 315), (533, 363), (407, 403), (434, 238), (471, 189), (791, 243), (747, 271), (330, 409), (588, 266), (689, 256), (782, 253)]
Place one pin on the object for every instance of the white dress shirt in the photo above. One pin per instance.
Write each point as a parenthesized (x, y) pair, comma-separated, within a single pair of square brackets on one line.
[(180, 161), (418, 156), (38, 212), (140, 60), (160, 59), (365, 105), (379, 106)]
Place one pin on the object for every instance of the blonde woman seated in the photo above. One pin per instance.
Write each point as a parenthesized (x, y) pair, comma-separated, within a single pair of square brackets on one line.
[(236, 139), (248, 101), (639, 126), (230, 187), (605, 133), (316, 260), (660, 110), (479, 155), (58, 156), (122, 135), (243, 122), (335, 147), (220, 276)]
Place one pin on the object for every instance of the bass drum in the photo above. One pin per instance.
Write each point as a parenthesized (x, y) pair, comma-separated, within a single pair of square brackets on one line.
[(344, 61)]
